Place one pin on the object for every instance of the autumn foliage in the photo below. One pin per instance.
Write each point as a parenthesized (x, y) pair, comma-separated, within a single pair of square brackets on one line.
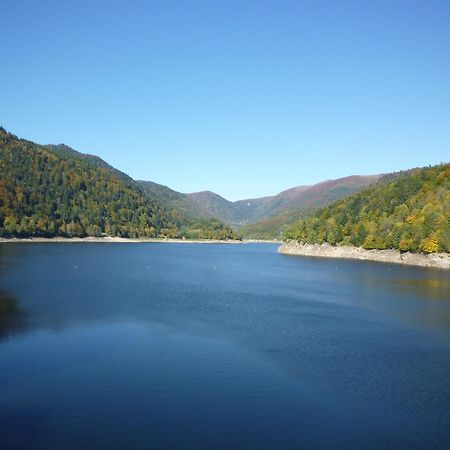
[(55, 191), (408, 211)]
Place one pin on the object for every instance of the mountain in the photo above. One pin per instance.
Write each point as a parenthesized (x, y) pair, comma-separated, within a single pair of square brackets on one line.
[(301, 201), (65, 152), (175, 200), (285, 206), (195, 223), (48, 190), (408, 211), (216, 206)]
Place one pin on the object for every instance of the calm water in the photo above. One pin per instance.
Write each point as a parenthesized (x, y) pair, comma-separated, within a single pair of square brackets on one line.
[(164, 346)]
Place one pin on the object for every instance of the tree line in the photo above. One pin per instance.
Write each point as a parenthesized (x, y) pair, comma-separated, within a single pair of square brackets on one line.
[(407, 211), (48, 192)]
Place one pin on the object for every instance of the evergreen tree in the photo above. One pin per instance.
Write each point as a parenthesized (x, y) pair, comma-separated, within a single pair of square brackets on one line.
[(408, 211)]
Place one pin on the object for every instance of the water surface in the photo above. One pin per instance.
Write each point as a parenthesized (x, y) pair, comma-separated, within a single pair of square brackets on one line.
[(164, 346)]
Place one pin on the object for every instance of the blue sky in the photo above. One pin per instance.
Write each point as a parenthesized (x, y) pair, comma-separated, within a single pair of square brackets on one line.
[(245, 98)]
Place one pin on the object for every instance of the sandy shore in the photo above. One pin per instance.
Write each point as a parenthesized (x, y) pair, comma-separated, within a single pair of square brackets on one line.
[(439, 260), (127, 240)]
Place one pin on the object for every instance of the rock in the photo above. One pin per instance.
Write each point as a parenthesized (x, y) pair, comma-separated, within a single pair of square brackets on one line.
[(440, 260)]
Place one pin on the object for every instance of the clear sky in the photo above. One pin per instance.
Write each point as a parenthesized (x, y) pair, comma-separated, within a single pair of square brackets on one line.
[(245, 98)]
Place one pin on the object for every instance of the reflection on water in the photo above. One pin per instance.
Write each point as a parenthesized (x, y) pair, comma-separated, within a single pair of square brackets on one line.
[(11, 316), (414, 295), (437, 286), (8, 252), (213, 346)]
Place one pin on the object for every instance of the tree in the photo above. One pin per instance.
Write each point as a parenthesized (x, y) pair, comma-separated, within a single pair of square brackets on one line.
[(408, 211), (10, 225), (370, 243), (53, 190), (430, 245)]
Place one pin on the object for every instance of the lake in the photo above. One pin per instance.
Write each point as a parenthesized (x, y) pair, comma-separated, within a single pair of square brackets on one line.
[(213, 346)]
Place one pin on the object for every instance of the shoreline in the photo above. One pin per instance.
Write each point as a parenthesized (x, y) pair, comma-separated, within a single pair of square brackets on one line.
[(121, 240), (435, 260)]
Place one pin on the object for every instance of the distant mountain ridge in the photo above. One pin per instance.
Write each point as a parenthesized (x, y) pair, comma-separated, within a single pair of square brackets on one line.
[(179, 214), (175, 200), (244, 213)]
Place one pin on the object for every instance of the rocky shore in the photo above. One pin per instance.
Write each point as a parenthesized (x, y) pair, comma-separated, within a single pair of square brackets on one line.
[(439, 260)]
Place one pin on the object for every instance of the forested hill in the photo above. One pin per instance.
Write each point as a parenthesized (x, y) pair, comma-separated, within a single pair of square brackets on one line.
[(409, 211), (292, 203), (175, 200), (65, 152), (300, 202), (56, 191)]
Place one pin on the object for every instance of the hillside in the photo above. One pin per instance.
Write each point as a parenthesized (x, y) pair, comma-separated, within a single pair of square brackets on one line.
[(214, 205), (288, 206), (265, 217), (408, 211), (65, 152), (192, 220), (57, 191)]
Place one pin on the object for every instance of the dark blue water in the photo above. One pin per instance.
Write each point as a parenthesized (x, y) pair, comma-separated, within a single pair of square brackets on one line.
[(176, 346)]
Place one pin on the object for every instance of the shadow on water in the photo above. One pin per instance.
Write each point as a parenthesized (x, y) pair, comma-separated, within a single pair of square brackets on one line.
[(11, 316)]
